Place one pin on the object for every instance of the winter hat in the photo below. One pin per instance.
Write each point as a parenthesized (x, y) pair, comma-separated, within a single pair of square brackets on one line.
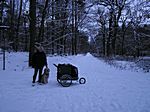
[(37, 44), (39, 47)]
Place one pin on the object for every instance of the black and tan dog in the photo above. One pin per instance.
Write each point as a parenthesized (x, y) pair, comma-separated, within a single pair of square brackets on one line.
[(45, 76)]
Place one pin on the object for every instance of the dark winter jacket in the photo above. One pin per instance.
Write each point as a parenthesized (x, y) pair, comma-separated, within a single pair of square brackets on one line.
[(39, 60)]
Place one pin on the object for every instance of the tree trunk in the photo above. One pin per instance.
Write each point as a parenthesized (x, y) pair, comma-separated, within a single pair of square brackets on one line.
[(18, 25), (53, 27), (26, 35), (32, 16), (76, 28), (65, 26), (1, 22), (72, 27), (115, 30), (123, 37), (11, 32), (104, 39), (108, 44), (41, 30)]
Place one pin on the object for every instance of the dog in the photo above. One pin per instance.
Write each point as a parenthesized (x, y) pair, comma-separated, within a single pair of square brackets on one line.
[(45, 76)]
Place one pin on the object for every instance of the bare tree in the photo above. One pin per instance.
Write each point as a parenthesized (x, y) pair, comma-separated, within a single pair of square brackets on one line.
[(18, 25), (32, 17), (12, 11), (41, 30)]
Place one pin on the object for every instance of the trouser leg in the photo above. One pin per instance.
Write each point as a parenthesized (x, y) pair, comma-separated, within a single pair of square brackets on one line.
[(35, 74), (40, 74)]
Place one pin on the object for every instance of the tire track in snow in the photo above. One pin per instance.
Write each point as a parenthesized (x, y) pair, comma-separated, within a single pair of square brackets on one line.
[(116, 106)]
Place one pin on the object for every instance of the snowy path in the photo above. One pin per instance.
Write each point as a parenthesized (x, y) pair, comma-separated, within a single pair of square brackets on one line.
[(106, 90)]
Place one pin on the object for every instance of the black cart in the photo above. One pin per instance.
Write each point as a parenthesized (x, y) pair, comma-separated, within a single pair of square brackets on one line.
[(66, 73)]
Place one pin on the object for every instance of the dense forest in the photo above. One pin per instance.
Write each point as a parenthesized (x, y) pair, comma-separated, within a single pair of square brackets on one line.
[(70, 27)]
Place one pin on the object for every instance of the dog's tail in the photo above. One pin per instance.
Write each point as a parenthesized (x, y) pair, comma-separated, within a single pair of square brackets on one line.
[(55, 65)]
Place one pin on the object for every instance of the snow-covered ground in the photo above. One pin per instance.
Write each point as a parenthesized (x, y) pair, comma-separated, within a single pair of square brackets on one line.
[(107, 89)]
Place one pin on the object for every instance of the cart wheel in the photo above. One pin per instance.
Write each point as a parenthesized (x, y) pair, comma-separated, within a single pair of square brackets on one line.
[(66, 80), (58, 80), (82, 80)]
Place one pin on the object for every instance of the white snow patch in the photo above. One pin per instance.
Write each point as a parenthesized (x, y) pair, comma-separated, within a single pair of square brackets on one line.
[(107, 89)]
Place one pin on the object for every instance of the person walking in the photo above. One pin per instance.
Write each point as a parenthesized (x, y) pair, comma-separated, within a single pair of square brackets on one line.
[(38, 61)]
